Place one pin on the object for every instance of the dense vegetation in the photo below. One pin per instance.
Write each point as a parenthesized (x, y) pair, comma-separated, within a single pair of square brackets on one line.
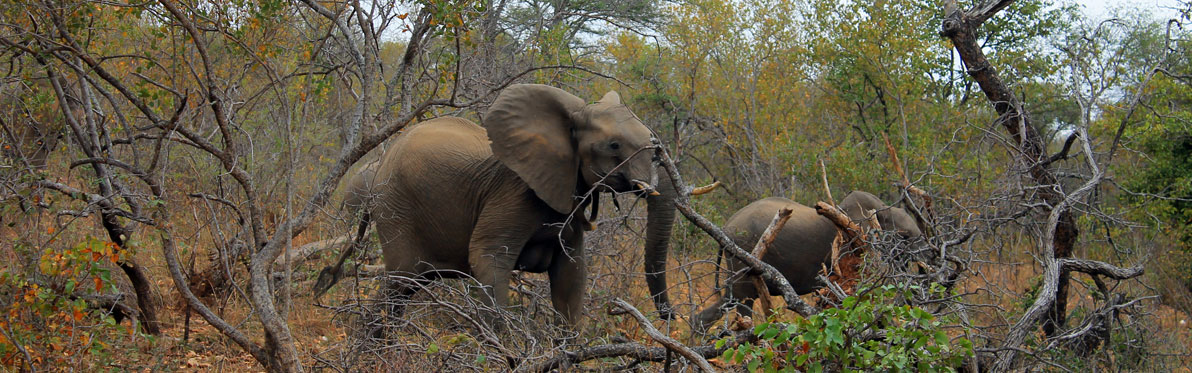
[(169, 174)]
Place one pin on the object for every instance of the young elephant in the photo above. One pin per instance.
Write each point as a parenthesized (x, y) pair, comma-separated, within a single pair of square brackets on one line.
[(451, 198), (801, 249)]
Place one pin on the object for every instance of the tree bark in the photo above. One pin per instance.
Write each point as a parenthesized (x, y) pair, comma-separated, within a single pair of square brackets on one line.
[(117, 233), (960, 27), (846, 269)]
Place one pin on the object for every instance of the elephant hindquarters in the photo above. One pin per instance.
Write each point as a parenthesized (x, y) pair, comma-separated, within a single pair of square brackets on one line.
[(799, 252)]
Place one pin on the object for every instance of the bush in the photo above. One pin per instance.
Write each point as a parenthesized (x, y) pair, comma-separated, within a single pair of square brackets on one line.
[(46, 320), (872, 331)]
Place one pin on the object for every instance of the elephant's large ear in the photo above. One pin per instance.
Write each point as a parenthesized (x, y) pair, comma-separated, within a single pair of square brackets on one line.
[(531, 126)]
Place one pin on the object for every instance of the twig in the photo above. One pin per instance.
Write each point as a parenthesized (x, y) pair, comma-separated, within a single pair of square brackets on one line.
[(824, 176), (28, 358), (634, 350), (306, 251), (669, 342), (832, 286), (905, 182)]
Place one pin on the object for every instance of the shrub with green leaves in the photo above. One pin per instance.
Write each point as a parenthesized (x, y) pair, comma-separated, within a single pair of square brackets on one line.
[(46, 320), (875, 330)]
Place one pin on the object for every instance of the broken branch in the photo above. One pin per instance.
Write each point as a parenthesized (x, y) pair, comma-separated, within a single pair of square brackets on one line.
[(759, 251)]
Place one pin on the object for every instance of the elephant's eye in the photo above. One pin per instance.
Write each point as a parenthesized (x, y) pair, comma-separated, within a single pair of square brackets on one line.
[(614, 145)]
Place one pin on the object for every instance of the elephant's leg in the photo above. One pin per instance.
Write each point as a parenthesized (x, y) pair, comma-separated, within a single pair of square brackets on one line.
[(742, 295), (568, 280), (496, 243), (494, 281), (399, 291), (708, 316), (389, 304)]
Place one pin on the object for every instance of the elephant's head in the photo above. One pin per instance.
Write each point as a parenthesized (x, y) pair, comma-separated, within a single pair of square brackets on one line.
[(561, 146), (557, 143), (900, 221), (860, 206)]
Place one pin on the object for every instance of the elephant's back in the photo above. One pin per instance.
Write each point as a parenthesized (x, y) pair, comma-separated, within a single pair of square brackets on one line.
[(799, 249), (756, 216), (447, 139), (442, 154), (427, 191), (359, 192)]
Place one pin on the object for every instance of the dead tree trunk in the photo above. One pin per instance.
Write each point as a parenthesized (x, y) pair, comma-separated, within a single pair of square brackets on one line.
[(1050, 305), (960, 27)]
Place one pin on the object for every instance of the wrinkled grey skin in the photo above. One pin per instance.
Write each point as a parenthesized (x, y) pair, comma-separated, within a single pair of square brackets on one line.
[(452, 198), (801, 249), (358, 193)]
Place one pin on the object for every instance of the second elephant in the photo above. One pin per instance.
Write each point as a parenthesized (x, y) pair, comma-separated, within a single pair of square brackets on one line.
[(800, 250)]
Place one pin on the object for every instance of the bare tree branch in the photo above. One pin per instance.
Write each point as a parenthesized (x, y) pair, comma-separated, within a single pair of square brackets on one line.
[(669, 342)]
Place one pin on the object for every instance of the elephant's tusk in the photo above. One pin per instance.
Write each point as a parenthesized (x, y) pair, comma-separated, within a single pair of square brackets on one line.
[(646, 187), (705, 188)]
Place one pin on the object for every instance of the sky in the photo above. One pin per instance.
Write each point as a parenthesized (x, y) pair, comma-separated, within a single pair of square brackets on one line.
[(1100, 9)]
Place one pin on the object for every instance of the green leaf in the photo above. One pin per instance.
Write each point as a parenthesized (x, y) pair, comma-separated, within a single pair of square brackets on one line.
[(849, 302), (920, 340), (867, 355), (834, 331), (769, 333)]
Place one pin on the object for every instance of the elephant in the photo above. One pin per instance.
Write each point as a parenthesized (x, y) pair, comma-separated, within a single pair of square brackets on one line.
[(451, 198), (801, 248)]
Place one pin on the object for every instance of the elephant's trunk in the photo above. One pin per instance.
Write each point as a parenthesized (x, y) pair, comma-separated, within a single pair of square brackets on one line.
[(661, 209)]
